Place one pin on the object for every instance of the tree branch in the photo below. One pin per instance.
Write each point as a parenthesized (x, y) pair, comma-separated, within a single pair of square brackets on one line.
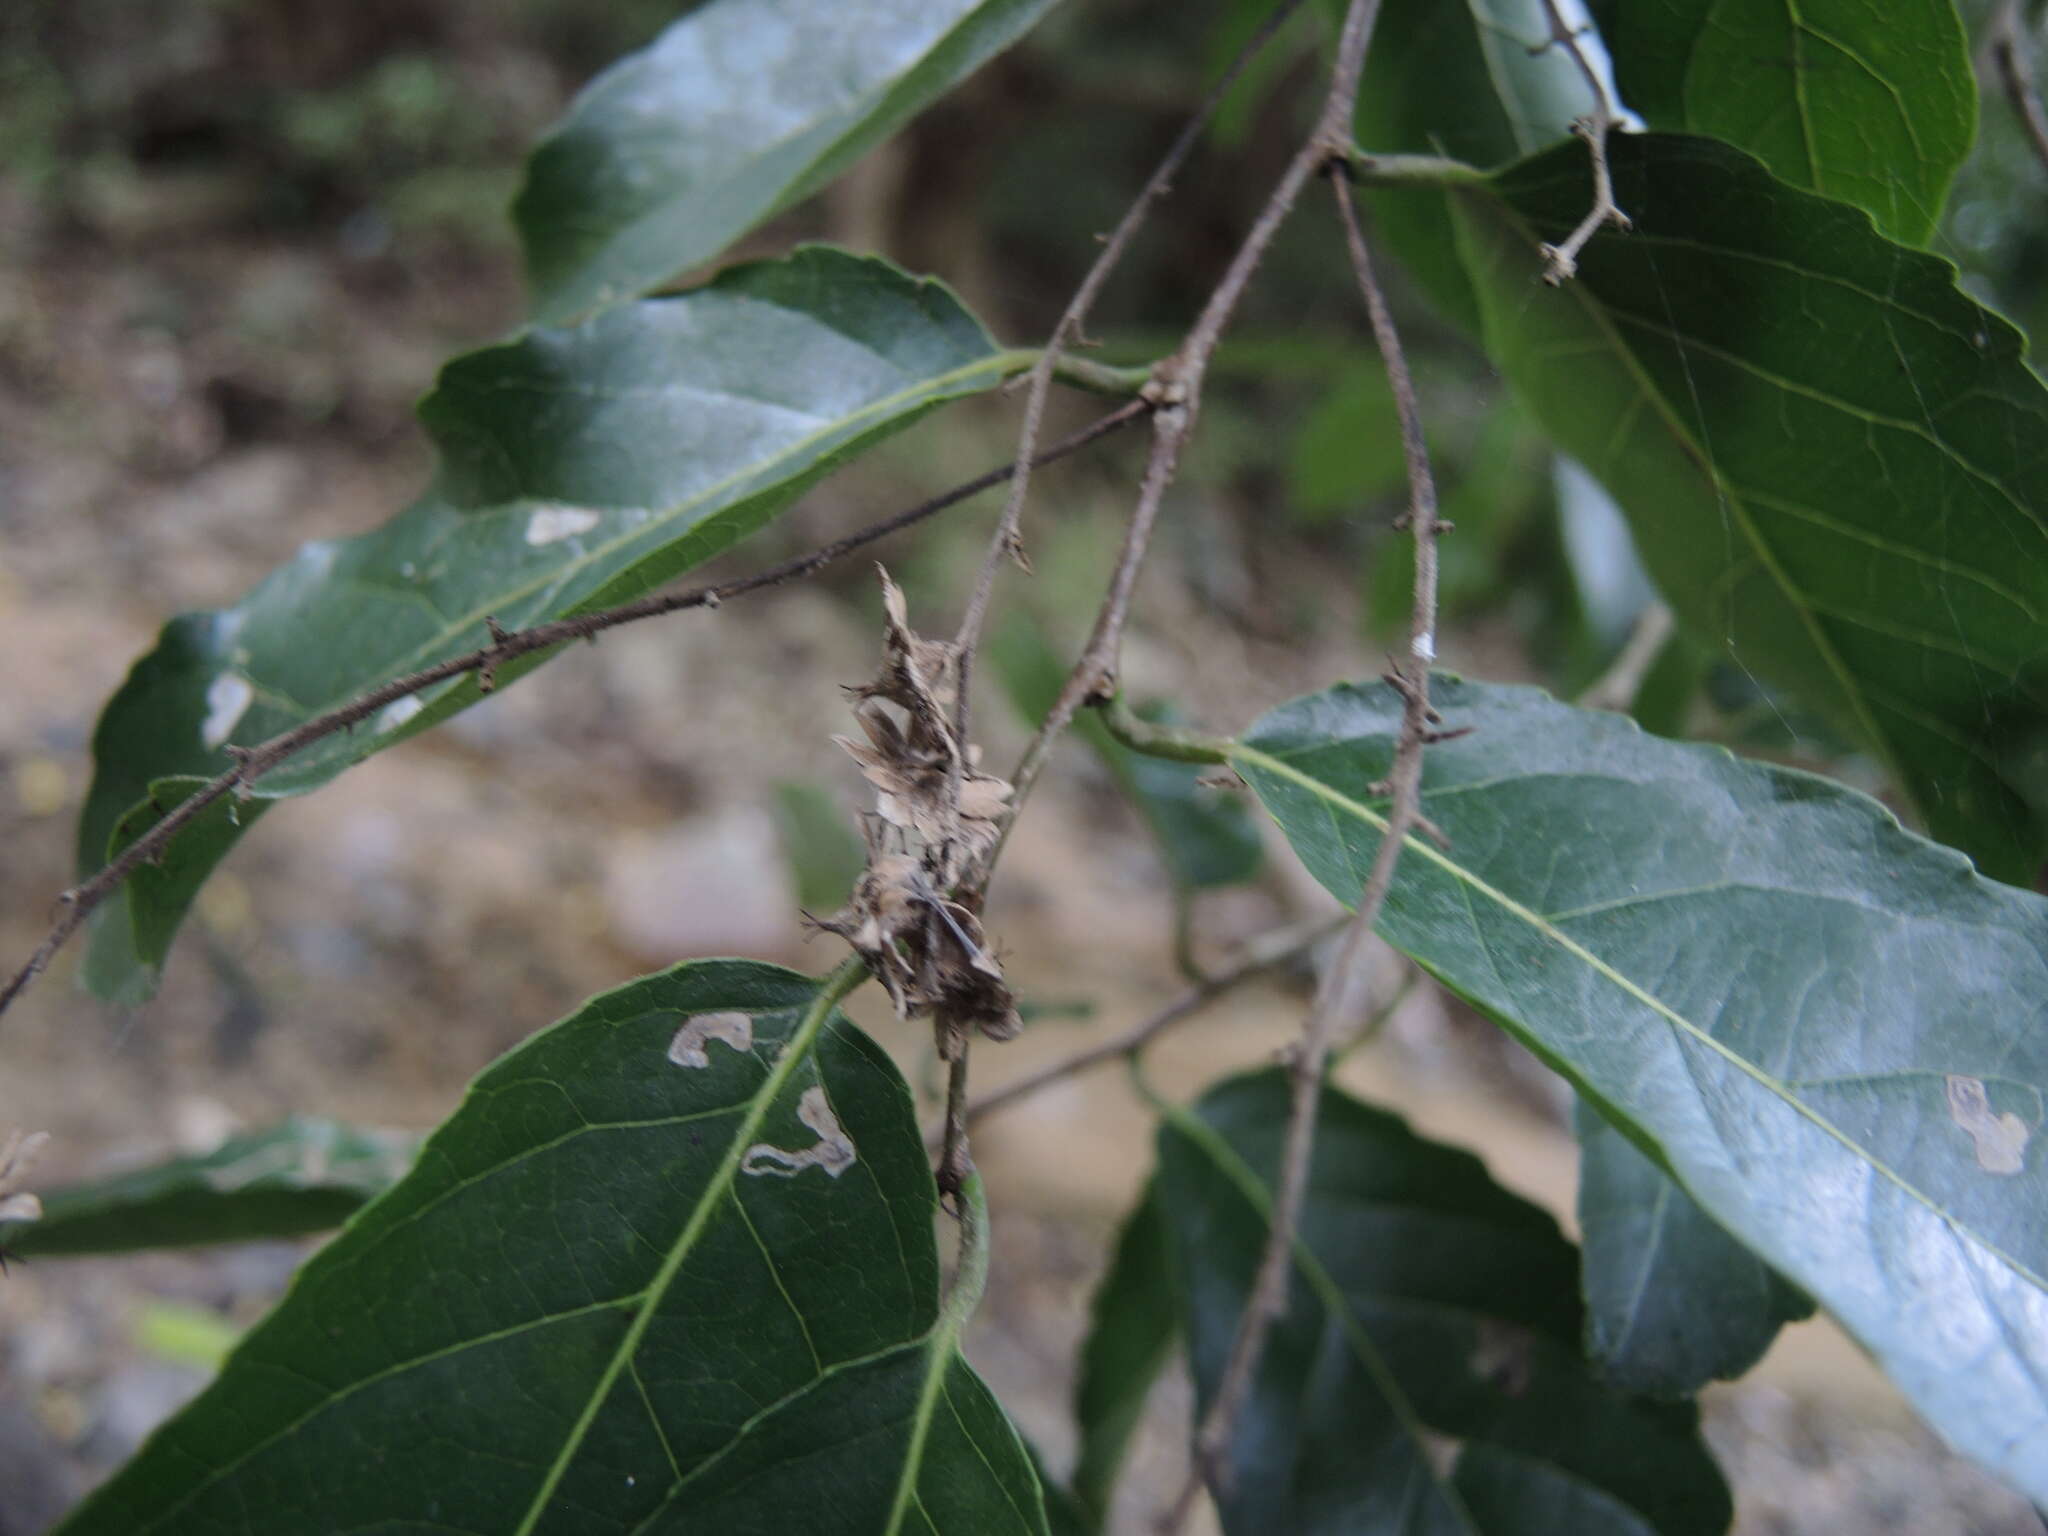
[(1342, 994), (1267, 952), (251, 763), (1562, 261), (1617, 687), (1176, 392), (2016, 74), (1006, 543)]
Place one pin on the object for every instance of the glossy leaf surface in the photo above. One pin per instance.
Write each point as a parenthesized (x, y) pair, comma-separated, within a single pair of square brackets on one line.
[(671, 1267), (1426, 1376), (1835, 463), (1833, 1033), (304, 1175), (1871, 102), (581, 468), (1131, 1331), (731, 115), (1672, 1301)]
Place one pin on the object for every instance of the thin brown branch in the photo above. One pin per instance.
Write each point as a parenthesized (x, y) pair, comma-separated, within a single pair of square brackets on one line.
[(1176, 391), (2015, 66), (252, 763), (954, 1162), (1343, 994), (1562, 261), (1007, 545), (1617, 687), (1267, 952)]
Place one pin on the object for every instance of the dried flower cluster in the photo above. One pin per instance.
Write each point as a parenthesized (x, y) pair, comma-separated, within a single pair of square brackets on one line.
[(936, 822)]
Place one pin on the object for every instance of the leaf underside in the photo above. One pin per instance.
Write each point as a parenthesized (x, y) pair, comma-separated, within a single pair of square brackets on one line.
[(671, 1267), (1426, 1374), (1831, 1032), (581, 467)]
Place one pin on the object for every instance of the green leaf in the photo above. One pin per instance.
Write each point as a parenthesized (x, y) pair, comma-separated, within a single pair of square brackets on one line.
[(1131, 1329), (670, 1267), (1428, 1305), (734, 113), (1206, 838), (303, 1175), (582, 467), (1835, 463), (1672, 1301), (1828, 1030), (1871, 102), (818, 840)]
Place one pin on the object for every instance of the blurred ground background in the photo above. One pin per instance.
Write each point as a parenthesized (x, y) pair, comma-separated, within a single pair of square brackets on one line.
[(237, 237)]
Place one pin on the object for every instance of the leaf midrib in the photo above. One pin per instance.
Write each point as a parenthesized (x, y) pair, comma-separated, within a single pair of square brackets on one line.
[(1415, 846), (795, 1052)]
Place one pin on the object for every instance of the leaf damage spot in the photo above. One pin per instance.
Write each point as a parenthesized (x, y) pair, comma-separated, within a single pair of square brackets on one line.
[(227, 699), (734, 1028), (552, 523), (833, 1150), (2000, 1140)]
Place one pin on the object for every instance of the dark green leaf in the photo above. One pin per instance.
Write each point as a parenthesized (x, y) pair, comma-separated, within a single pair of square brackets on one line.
[(1131, 1328), (1672, 1301), (1206, 838), (1831, 1032), (731, 115), (1432, 1313), (1871, 102), (823, 850), (671, 1267), (302, 1176), (583, 467), (1835, 463)]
